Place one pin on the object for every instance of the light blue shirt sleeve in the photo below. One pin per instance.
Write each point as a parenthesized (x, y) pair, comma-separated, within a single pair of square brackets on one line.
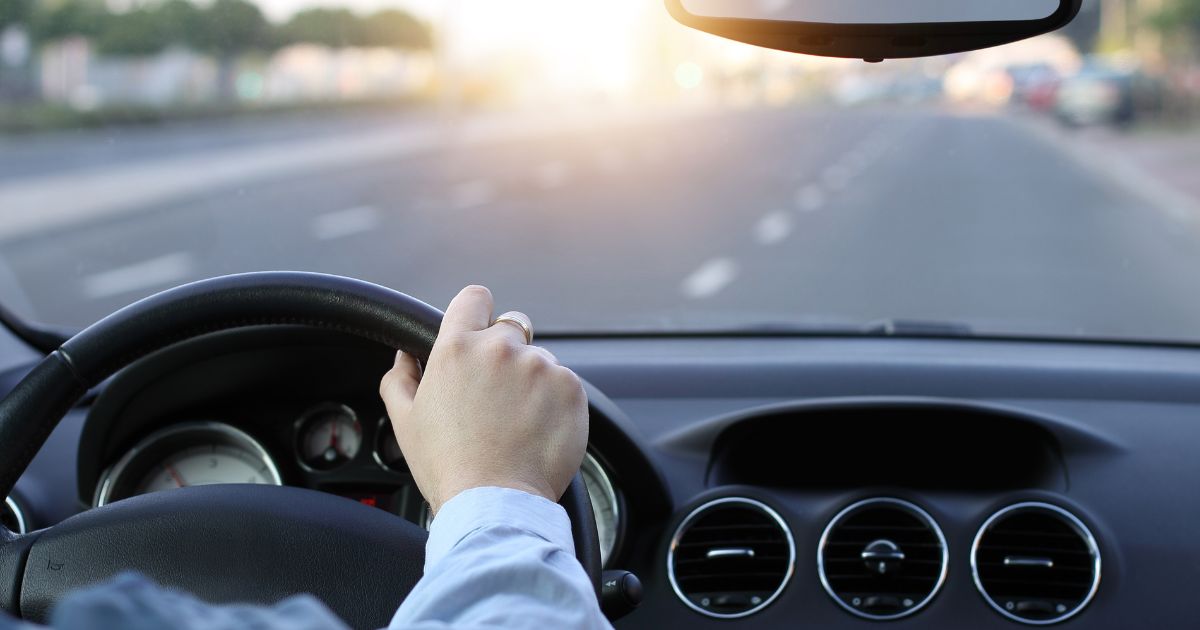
[(496, 559), (501, 558)]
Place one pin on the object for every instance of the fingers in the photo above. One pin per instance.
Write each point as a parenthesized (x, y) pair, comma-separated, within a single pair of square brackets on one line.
[(399, 385), (514, 326), (469, 311)]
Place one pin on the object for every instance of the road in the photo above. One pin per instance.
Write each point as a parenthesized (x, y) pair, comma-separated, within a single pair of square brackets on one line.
[(701, 220)]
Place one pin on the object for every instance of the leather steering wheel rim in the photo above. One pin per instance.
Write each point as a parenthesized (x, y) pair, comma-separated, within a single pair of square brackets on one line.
[(35, 406)]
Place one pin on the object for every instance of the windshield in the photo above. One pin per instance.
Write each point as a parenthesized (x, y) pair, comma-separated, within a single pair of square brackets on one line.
[(601, 167)]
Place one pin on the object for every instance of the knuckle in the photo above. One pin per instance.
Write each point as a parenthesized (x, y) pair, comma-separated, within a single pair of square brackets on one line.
[(534, 362), (499, 349), (478, 291), (570, 381), (453, 345), (387, 383)]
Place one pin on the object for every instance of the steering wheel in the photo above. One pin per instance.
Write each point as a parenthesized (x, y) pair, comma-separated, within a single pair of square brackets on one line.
[(231, 543)]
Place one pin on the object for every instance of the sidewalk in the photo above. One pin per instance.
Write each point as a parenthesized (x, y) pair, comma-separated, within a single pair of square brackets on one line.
[(1170, 155), (1161, 166), (59, 198)]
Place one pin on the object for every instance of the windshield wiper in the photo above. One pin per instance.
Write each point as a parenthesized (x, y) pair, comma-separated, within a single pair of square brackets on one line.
[(891, 327), (916, 328)]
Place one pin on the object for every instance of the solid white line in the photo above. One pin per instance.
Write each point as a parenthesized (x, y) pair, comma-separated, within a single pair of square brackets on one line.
[(710, 278), (148, 273), (477, 192), (1109, 165), (810, 198), (346, 222), (773, 227)]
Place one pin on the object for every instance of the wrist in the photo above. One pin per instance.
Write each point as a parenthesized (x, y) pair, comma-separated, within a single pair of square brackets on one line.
[(444, 496)]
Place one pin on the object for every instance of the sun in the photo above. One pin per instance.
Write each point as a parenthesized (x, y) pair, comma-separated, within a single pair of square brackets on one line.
[(574, 45)]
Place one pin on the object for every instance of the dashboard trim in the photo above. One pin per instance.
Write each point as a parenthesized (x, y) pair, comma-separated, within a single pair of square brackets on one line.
[(610, 492), (14, 508)]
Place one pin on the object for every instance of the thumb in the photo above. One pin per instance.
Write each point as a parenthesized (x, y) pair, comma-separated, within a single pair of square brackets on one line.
[(399, 385)]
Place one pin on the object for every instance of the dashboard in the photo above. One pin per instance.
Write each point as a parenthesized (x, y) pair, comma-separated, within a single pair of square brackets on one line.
[(754, 481)]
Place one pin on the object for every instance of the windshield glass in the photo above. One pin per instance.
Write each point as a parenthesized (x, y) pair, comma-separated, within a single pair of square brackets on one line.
[(601, 167)]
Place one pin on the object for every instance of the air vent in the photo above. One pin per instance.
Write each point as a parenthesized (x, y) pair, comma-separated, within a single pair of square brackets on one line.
[(12, 516), (731, 558), (882, 558), (1036, 563)]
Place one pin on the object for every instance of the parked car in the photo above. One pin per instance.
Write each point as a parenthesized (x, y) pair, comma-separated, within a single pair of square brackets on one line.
[(1101, 94)]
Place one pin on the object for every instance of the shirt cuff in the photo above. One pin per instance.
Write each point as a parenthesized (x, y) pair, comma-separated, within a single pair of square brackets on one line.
[(491, 507)]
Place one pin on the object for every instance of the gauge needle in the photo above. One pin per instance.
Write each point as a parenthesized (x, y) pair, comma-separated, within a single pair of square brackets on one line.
[(333, 427), (174, 475)]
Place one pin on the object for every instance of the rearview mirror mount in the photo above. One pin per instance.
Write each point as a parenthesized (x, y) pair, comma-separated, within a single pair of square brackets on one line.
[(874, 30)]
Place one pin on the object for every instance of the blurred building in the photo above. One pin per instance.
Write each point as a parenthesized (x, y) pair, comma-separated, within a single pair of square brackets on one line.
[(70, 72)]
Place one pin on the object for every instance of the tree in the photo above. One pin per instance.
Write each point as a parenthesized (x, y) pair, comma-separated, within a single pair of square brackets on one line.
[(1179, 16), (137, 32), (50, 20), (396, 29), (229, 28), (181, 23), (15, 12), (335, 28)]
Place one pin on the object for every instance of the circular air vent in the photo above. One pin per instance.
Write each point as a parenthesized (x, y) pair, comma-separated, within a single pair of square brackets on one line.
[(730, 558), (12, 516), (882, 558), (1036, 563)]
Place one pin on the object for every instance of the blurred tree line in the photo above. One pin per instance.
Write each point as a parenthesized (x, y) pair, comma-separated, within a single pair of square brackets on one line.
[(1180, 16), (224, 28)]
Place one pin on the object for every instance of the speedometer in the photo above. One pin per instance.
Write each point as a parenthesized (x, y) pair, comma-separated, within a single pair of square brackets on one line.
[(605, 505), (192, 454)]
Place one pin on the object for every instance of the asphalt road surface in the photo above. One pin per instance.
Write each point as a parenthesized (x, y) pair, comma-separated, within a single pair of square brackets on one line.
[(699, 220)]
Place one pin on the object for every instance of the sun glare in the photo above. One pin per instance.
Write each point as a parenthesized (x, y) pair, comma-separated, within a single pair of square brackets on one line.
[(564, 46)]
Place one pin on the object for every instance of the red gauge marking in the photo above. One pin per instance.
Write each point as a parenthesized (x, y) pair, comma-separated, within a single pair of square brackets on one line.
[(174, 475), (333, 442)]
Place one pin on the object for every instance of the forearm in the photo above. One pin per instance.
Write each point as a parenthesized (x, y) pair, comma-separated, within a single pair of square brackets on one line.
[(500, 558)]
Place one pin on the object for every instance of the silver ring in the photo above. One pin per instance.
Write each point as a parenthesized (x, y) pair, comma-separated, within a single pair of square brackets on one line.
[(514, 317)]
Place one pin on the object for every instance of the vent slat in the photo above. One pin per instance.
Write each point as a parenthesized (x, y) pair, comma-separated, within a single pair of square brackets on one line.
[(731, 585), (895, 525), (1035, 530)]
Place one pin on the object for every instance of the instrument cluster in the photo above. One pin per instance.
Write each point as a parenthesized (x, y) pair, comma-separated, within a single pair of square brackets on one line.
[(328, 447)]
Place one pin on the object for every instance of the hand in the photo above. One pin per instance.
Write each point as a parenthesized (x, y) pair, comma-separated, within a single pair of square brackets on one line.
[(489, 409)]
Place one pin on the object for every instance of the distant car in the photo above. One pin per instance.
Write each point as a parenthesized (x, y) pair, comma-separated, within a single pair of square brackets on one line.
[(1103, 95), (1032, 85)]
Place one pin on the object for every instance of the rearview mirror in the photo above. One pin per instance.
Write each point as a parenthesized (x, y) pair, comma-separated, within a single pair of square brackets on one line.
[(875, 30)]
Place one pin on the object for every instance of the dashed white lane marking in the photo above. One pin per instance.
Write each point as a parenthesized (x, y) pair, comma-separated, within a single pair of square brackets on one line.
[(477, 192), (710, 278), (773, 227), (346, 222), (552, 174), (810, 198), (143, 275)]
